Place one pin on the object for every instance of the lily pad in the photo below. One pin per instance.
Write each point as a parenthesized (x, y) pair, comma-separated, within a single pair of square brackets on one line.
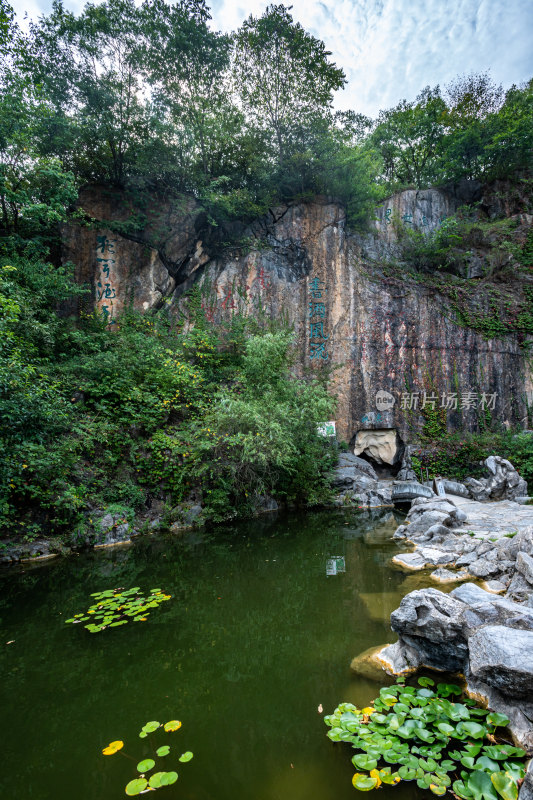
[(112, 748), (136, 786), (173, 725), (150, 727), (163, 751), (145, 765), (505, 785), (168, 778), (364, 782), (186, 756)]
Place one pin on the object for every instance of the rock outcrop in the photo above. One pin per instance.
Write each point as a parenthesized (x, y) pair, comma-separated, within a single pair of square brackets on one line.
[(396, 347), (503, 483), (482, 634), (487, 638)]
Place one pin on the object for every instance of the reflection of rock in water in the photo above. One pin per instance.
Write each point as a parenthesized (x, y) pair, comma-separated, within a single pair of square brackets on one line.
[(367, 666), (380, 604)]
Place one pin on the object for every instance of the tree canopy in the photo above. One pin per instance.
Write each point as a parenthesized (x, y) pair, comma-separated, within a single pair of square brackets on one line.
[(150, 97)]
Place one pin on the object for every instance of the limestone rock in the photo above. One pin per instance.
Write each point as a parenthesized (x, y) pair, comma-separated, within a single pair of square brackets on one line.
[(524, 564), (442, 575), (398, 659), (431, 622), (504, 481), (350, 460), (404, 492), (380, 445), (453, 487), (477, 489), (422, 557), (300, 246), (483, 568), (501, 657), (519, 713)]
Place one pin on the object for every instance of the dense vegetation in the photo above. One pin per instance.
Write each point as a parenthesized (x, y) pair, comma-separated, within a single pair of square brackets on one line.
[(149, 98), (94, 418)]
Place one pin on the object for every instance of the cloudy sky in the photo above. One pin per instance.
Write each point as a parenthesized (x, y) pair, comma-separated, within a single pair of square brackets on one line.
[(391, 49)]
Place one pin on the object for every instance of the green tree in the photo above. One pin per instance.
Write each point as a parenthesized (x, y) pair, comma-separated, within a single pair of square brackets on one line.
[(470, 122), (408, 138), (283, 76), (91, 68)]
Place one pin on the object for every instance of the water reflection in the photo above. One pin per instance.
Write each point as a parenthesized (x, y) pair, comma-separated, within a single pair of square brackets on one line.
[(256, 636)]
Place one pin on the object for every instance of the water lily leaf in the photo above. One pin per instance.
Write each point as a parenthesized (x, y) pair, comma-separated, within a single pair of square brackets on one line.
[(150, 727), (437, 789), (136, 786), (425, 693), (163, 751), (473, 749), (424, 782), (487, 764), (505, 785), (481, 786), (445, 728), (388, 777), (425, 735), (391, 757), (364, 761), (497, 751), (497, 719), (515, 770), (155, 780), (186, 756), (173, 725), (468, 762), (364, 782), (145, 765), (447, 765), (168, 778), (426, 682), (473, 729), (406, 773), (143, 735), (458, 711), (462, 790), (446, 689), (112, 748)]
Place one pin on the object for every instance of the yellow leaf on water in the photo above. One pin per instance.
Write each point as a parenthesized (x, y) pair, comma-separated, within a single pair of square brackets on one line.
[(368, 710), (374, 773), (112, 748), (173, 725)]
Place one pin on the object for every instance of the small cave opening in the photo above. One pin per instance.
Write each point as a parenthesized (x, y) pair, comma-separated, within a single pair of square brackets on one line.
[(383, 448)]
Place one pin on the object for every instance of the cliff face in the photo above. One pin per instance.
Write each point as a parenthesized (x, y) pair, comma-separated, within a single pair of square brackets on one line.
[(398, 357)]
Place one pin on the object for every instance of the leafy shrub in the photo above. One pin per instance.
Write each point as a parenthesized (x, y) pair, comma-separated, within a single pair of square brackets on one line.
[(418, 734), (92, 416)]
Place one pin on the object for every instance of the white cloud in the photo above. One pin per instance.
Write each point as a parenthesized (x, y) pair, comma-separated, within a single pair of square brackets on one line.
[(391, 49)]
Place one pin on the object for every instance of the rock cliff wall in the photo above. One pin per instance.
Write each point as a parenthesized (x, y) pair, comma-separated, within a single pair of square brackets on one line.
[(398, 356)]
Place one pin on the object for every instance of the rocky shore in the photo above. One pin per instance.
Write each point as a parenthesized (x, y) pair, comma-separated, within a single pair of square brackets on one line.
[(484, 632)]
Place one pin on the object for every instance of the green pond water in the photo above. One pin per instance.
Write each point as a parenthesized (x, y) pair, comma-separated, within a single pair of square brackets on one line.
[(256, 636)]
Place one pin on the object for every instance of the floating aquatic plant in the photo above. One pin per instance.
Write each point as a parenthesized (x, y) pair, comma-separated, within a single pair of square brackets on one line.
[(157, 780), (418, 734), (115, 607)]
